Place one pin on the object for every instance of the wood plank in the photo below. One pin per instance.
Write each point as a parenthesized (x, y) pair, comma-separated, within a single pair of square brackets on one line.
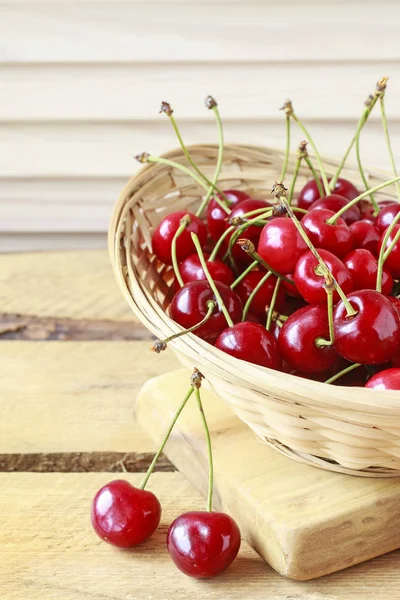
[(50, 551), (133, 91), (77, 285), (112, 31), (288, 511), (72, 397), (108, 149)]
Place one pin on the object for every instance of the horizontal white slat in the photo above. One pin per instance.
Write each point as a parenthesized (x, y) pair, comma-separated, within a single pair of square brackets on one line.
[(99, 150), (147, 31), (247, 90), (28, 242)]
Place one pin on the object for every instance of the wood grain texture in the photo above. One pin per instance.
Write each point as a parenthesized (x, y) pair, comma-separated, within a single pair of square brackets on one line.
[(146, 32), (287, 511), (76, 396), (77, 285), (50, 552)]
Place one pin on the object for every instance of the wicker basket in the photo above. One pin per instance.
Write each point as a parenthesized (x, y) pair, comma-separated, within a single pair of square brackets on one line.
[(350, 430)]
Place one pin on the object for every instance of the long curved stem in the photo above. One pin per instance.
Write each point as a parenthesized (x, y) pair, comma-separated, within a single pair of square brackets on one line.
[(185, 221), (243, 275), (361, 169), (253, 293), (286, 160), (341, 373), (317, 155), (219, 162), (315, 176), (294, 179), (209, 450), (388, 143), (271, 307), (160, 345), (218, 245)]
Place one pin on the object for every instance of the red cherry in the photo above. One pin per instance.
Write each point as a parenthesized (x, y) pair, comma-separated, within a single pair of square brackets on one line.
[(367, 209), (363, 267), (290, 289), (164, 234), (124, 515), (263, 297), (250, 342), (297, 340), (309, 194), (281, 245), (203, 544), (372, 336), (365, 235), (386, 216), (396, 303), (216, 216), (335, 238), (251, 233), (191, 270), (189, 306), (311, 285), (396, 361), (392, 263), (385, 380), (335, 202)]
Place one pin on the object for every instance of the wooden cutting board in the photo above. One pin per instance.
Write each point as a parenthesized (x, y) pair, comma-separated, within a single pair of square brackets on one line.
[(304, 521)]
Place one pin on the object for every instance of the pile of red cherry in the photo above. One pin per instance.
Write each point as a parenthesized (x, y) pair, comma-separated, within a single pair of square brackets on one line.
[(297, 340)]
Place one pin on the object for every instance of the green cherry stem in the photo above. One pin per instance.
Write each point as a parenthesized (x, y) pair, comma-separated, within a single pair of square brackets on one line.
[(184, 222), (253, 293), (166, 437), (271, 307), (360, 168), (287, 151), (218, 245), (320, 342), (315, 176), (210, 280), (341, 373), (209, 450), (243, 275), (248, 247), (302, 153), (280, 193), (388, 143), (339, 213), (384, 252), (288, 107)]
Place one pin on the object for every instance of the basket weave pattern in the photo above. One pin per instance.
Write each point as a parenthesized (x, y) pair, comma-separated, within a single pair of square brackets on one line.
[(350, 430)]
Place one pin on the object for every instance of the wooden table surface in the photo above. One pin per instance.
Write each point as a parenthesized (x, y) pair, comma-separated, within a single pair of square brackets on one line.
[(66, 427)]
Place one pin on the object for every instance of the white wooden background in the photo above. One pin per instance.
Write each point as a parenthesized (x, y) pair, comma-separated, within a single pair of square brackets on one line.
[(81, 83)]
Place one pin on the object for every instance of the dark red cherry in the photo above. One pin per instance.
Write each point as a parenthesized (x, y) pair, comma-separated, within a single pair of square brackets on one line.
[(297, 340), (335, 202), (124, 515), (392, 263), (191, 270), (363, 267), (216, 216), (309, 194), (396, 361), (203, 544), (311, 285), (250, 342), (290, 289), (365, 235), (355, 378), (386, 216), (396, 303), (263, 297), (164, 234), (335, 238), (367, 209), (189, 306), (385, 380), (251, 233), (372, 336), (281, 245)]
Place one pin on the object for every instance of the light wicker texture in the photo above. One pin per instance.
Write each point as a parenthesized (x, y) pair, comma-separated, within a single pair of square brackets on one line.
[(350, 430)]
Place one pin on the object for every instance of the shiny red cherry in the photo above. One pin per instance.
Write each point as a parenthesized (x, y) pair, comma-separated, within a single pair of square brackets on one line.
[(216, 216), (365, 235), (281, 245), (251, 233), (124, 515), (191, 270), (386, 216), (367, 209), (372, 336), (297, 341), (363, 267), (392, 263), (309, 193), (335, 238), (250, 342), (203, 544), (163, 235), (335, 202), (385, 380), (311, 285), (263, 297), (189, 306)]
